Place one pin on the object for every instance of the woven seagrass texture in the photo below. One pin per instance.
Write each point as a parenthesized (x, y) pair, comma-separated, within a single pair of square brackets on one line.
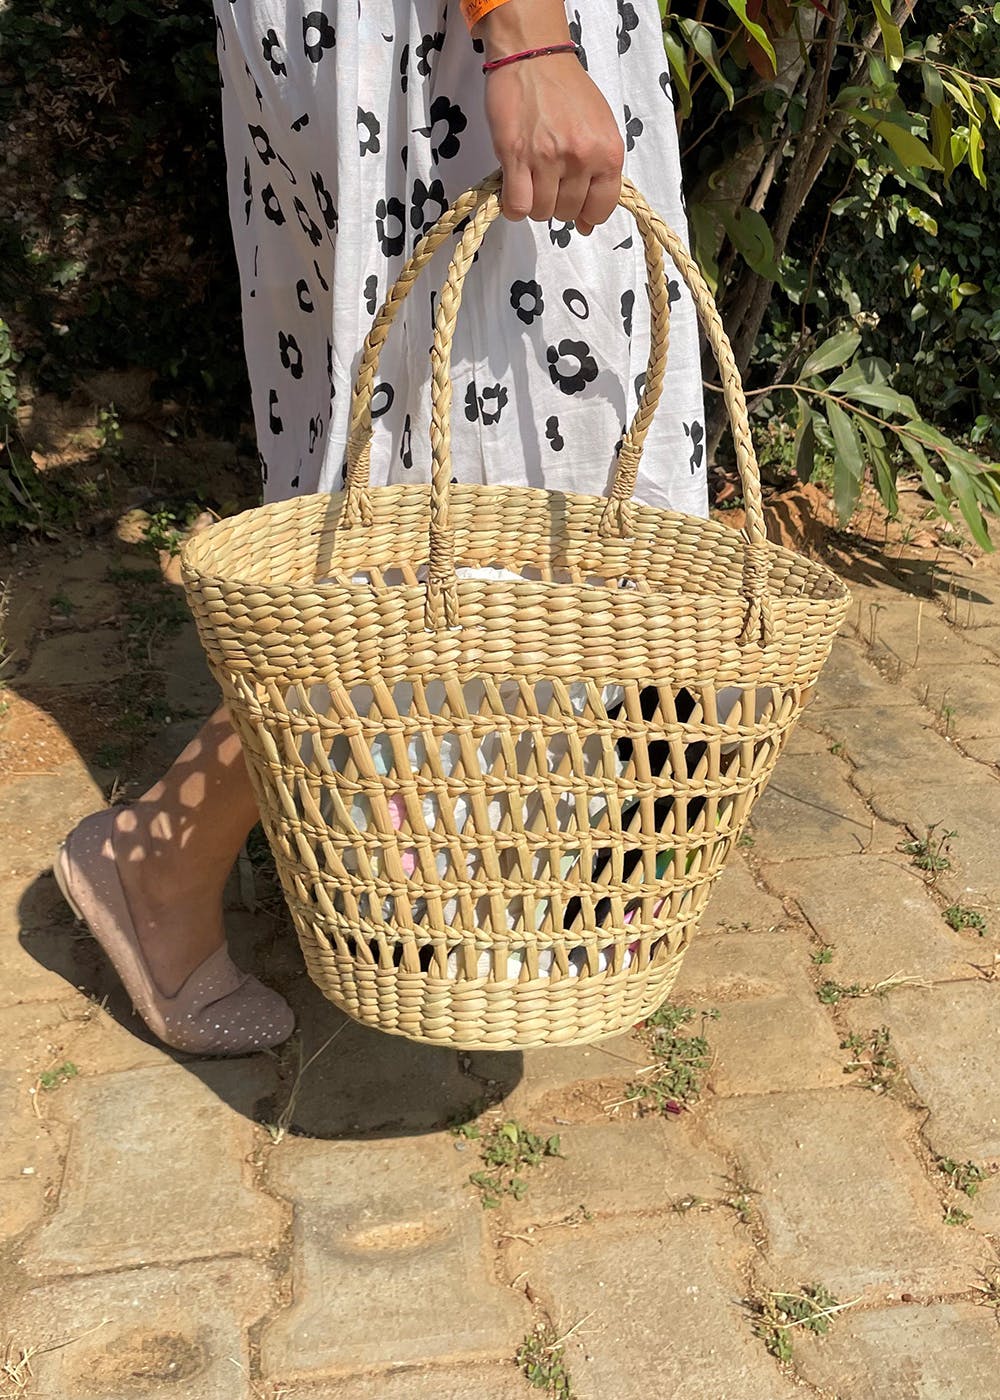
[(503, 739)]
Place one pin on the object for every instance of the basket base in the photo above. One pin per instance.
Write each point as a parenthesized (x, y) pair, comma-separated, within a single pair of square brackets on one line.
[(491, 1015)]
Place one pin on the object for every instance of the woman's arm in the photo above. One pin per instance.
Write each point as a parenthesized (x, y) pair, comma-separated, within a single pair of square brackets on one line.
[(553, 132)]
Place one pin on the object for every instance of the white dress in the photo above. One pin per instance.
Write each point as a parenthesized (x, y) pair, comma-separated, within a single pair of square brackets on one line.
[(349, 125)]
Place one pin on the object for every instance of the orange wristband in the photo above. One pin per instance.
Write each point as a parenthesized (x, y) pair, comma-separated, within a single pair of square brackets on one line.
[(474, 10)]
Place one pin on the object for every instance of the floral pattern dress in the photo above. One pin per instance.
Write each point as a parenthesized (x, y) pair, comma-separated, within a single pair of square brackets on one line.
[(349, 126)]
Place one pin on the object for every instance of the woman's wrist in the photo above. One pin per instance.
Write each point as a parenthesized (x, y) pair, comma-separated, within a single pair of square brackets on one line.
[(522, 24)]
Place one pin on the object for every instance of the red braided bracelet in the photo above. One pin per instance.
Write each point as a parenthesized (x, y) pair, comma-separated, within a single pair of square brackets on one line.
[(532, 53)]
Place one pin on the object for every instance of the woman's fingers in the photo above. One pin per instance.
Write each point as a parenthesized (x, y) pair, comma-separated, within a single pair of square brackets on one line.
[(545, 186), (518, 190), (572, 194), (601, 199)]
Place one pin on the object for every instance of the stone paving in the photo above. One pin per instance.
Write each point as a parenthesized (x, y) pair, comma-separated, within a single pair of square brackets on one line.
[(182, 1228)]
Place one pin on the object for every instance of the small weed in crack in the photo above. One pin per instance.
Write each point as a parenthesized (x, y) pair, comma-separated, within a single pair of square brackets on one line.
[(872, 1057), (542, 1358), (930, 852), (60, 1074), (959, 916), (964, 1176), (679, 1061), (777, 1313), (506, 1149)]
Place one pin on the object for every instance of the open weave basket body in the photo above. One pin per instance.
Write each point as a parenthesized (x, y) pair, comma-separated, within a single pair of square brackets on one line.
[(503, 739)]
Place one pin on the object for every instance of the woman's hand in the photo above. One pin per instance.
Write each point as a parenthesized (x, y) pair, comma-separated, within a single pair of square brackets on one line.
[(553, 132)]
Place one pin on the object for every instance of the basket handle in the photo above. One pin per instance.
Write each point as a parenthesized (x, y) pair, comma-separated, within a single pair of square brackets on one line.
[(357, 507), (482, 202)]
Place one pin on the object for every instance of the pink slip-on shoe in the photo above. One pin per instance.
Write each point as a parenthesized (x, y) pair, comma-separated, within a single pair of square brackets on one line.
[(219, 1010)]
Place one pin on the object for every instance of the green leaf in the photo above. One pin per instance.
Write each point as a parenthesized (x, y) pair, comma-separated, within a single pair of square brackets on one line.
[(752, 239), (832, 353), (933, 86), (677, 59), (940, 126), (702, 222), (509, 1131), (857, 382), (739, 8), (993, 102), (962, 486), (805, 441), (922, 219), (907, 146), (885, 472), (703, 43), (849, 465), (976, 153), (892, 40), (960, 89)]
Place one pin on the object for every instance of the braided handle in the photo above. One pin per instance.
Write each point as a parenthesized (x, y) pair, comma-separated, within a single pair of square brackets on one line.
[(482, 203), (617, 519)]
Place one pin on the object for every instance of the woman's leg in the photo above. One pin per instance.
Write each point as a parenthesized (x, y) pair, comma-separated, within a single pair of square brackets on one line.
[(175, 847)]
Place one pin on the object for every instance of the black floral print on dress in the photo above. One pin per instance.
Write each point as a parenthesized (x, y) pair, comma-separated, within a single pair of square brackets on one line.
[(256, 90), (423, 195), (300, 122), (404, 68), (271, 47), (627, 310), (666, 88), (559, 234), (369, 130), (318, 35), (575, 301), (573, 381), (267, 153), (383, 397), (430, 43), (262, 144), (486, 406), (303, 296), (448, 121), (307, 223), (696, 433), (627, 21), (552, 434), (272, 208), (633, 128), (406, 444), (324, 201), (390, 226), (315, 431), (371, 294), (527, 300), (274, 419), (576, 34), (291, 355), (247, 188)]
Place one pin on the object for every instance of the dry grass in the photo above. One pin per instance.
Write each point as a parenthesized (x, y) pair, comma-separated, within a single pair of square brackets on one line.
[(15, 1370), (15, 1363)]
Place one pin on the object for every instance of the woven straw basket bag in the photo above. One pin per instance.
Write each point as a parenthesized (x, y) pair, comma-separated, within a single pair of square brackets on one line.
[(503, 739)]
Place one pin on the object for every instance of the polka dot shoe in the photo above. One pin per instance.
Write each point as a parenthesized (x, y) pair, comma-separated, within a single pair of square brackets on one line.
[(219, 1010)]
